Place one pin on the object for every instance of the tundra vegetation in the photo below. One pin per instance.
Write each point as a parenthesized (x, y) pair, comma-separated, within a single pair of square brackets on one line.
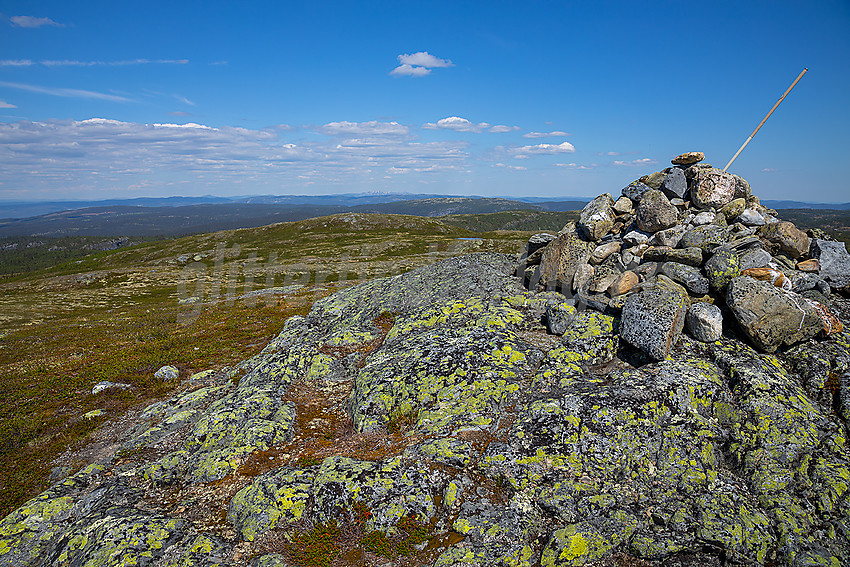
[(114, 316)]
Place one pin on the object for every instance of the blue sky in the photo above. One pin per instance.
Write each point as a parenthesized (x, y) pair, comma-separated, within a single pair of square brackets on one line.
[(549, 99)]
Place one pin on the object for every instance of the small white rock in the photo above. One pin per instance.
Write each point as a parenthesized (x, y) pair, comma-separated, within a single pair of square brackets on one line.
[(704, 322), (751, 217), (603, 251), (635, 237), (705, 217), (167, 373), (583, 273), (105, 385)]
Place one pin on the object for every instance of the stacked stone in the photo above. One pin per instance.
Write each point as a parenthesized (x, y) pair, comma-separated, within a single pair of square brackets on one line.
[(679, 244)]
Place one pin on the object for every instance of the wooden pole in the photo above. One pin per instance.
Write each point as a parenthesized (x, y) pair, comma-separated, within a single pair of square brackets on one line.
[(741, 149)]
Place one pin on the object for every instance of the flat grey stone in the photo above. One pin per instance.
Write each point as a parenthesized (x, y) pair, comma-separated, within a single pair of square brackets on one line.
[(538, 241), (675, 185), (834, 262), (755, 258), (688, 276)]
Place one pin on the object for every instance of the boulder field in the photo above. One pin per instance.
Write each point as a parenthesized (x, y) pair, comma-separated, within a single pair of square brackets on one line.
[(633, 395)]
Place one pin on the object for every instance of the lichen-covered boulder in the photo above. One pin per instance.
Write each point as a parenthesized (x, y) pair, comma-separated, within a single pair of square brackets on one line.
[(653, 318), (723, 266), (167, 373), (705, 237), (91, 518), (601, 252), (605, 273), (624, 206), (733, 209), (712, 188), (688, 276), (275, 498), (558, 316), (635, 190), (597, 217), (669, 237), (655, 212), (786, 237), (770, 316), (562, 256)]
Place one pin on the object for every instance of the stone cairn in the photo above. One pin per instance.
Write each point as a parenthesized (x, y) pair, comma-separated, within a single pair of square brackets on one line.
[(691, 248)]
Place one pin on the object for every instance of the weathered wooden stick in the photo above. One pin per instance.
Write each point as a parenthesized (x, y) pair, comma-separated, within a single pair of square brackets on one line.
[(800, 76)]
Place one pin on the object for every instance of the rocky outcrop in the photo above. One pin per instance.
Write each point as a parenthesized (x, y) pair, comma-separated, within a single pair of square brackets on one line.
[(450, 417)]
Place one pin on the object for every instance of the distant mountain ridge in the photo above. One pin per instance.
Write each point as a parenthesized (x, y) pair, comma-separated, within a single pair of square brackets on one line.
[(26, 209), (137, 221), (171, 216), (803, 205)]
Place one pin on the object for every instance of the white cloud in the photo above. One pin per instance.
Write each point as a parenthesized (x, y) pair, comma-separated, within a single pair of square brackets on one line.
[(418, 64), (4, 104), (635, 162), (457, 124), (77, 63), (187, 125), (67, 93), (372, 127), (184, 100), (506, 166), (423, 59), (767, 170), (179, 113), (552, 134), (576, 166), (501, 129), (33, 22), (101, 154), (544, 149), (101, 122), (123, 63), (410, 70), (401, 170), (16, 63)]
